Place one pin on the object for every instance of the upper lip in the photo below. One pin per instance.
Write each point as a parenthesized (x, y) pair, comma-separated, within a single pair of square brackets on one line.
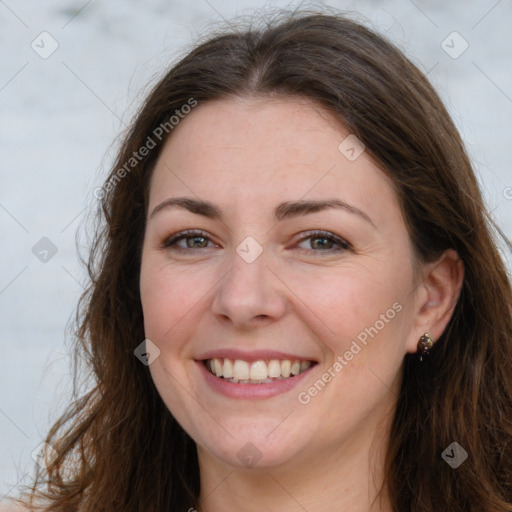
[(254, 355)]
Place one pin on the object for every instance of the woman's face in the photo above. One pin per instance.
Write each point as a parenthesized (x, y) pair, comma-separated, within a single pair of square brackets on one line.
[(257, 293)]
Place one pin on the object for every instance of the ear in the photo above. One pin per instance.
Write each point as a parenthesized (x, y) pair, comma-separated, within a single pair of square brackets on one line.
[(436, 297)]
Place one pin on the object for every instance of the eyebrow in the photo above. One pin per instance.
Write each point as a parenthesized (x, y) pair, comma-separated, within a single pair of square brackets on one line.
[(286, 210)]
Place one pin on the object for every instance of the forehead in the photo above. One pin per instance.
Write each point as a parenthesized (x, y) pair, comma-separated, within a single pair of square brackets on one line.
[(254, 151)]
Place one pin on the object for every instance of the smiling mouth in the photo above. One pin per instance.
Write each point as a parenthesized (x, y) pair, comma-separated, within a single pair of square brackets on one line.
[(238, 371)]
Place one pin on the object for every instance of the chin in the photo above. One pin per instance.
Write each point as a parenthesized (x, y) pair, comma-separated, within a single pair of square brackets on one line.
[(254, 448)]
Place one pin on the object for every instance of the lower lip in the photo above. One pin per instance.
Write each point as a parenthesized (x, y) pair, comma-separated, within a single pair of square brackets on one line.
[(248, 391)]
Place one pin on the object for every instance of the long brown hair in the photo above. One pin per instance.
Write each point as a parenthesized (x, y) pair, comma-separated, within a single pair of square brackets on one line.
[(119, 447)]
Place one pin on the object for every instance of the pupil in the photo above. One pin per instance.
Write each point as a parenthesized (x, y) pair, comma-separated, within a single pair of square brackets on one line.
[(193, 240), (326, 241)]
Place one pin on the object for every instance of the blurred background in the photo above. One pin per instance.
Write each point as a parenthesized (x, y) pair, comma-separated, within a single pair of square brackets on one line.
[(72, 73)]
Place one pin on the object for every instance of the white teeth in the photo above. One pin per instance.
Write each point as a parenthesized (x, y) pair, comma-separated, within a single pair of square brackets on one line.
[(241, 370), (295, 367), (304, 365), (257, 372), (286, 367), (218, 367), (227, 371), (274, 369)]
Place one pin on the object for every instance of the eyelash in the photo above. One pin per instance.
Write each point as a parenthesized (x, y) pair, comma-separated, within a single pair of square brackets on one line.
[(170, 243)]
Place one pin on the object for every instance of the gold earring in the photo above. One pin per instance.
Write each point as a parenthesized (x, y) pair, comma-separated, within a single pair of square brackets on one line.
[(424, 345)]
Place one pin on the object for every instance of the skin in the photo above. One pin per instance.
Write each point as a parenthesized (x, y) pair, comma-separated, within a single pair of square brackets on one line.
[(247, 156)]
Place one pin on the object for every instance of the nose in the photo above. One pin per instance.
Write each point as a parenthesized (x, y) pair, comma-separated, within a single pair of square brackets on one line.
[(249, 294)]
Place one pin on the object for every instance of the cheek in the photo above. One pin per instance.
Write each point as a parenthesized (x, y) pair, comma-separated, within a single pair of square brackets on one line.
[(349, 300), (165, 297)]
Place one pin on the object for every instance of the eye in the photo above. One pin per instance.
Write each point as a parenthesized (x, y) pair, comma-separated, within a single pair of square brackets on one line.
[(326, 241), (198, 240)]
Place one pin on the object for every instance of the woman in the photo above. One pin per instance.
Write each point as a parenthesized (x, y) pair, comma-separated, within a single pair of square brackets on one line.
[(294, 229)]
